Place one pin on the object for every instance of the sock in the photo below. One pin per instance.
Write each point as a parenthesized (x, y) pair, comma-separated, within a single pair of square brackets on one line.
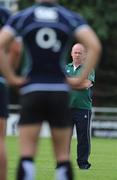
[(64, 171), (26, 169)]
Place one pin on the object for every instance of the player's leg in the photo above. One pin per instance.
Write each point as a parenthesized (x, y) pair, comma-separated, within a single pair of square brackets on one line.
[(61, 149), (29, 130), (61, 129), (3, 158), (28, 140), (61, 141)]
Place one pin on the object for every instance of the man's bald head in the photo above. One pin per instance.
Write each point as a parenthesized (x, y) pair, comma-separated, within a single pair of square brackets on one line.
[(78, 54)]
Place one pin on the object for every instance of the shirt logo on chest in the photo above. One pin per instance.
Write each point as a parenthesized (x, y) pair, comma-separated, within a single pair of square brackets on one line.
[(45, 14)]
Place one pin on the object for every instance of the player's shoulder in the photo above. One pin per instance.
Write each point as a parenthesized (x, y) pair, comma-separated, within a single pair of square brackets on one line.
[(4, 11), (23, 13), (68, 12), (5, 14), (75, 19)]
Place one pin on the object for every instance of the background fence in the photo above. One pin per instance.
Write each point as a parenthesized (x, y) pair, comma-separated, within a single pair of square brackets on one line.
[(104, 122)]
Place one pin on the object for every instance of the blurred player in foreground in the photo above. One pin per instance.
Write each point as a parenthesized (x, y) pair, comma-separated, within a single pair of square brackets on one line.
[(46, 29)]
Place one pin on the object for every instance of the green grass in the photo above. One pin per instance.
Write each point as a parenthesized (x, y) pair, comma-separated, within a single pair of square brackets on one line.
[(103, 159)]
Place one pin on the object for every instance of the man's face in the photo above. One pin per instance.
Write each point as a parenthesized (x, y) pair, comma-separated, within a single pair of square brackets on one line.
[(77, 54)]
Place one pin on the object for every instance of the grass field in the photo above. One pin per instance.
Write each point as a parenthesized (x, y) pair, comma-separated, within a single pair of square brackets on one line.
[(103, 159)]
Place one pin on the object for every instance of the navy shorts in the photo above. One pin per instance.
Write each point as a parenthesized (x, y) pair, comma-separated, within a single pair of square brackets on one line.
[(52, 107), (3, 101)]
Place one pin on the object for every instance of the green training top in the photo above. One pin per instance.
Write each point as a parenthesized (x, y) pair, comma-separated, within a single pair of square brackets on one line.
[(80, 98)]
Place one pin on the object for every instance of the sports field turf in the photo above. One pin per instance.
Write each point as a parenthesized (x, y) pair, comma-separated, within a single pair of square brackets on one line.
[(103, 158)]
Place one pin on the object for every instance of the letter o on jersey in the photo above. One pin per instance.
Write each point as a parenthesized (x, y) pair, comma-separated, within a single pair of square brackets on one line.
[(46, 38)]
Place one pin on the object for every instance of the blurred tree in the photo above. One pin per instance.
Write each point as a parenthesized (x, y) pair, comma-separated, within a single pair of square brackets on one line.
[(25, 3)]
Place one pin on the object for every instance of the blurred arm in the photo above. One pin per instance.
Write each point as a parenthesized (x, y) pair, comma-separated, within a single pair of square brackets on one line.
[(14, 53), (5, 39), (83, 85)]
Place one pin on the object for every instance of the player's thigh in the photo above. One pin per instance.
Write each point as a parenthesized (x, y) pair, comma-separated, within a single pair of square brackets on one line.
[(59, 114), (61, 136), (28, 137), (32, 111), (61, 140)]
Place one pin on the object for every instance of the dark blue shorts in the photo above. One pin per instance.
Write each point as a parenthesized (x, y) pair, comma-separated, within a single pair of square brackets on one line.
[(52, 107), (3, 101)]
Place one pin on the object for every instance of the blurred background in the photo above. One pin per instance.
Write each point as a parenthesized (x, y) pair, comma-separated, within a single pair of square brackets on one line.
[(102, 16)]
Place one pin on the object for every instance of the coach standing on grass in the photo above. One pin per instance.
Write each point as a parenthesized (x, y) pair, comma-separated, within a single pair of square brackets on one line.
[(46, 29), (81, 105)]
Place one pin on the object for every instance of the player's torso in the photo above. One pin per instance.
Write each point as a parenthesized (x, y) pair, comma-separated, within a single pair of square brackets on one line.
[(46, 34)]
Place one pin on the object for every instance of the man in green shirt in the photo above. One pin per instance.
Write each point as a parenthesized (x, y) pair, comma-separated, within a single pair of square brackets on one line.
[(81, 105)]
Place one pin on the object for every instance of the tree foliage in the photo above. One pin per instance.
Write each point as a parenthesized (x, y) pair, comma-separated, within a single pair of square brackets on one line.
[(25, 3)]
